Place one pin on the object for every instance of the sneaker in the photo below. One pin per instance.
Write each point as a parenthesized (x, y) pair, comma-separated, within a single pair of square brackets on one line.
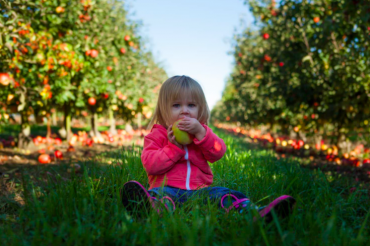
[(135, 197), (168, 203), (238, 204), (283, 207)]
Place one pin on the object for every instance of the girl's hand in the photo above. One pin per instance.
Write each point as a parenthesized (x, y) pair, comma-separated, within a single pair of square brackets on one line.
[(192, 126), (171, 137)]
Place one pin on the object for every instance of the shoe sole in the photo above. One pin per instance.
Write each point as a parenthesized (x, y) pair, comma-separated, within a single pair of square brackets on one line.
[(135, 197), (282, 206)]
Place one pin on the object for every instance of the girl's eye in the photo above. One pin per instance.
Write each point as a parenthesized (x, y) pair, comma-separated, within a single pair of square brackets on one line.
[(176, 105), (191, 105)]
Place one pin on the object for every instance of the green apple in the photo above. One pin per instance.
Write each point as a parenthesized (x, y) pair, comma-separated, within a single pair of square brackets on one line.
[(181, 137)]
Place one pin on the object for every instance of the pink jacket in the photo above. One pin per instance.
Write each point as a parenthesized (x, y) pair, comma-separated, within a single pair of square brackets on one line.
[(185, 168)]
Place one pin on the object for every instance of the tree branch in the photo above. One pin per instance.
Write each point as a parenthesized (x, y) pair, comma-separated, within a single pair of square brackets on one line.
[(334, 41), (304, 36)]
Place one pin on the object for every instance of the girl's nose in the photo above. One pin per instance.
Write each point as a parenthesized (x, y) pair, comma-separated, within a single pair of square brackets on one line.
[(184, 110)]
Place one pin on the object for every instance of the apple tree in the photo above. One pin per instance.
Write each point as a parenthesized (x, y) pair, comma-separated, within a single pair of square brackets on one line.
[(305, 68)]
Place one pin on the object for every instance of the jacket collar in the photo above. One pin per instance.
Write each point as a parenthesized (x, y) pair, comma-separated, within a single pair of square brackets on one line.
[(159, 127)]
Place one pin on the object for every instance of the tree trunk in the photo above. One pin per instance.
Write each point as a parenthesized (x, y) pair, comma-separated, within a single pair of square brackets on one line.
[(272, 129), (318, 138), (285, 129), (139, 121), (68, 126), (348, 145), (65, 132), (339, 136), (128, 128), (24, 138), (54, 118), (48, 133), (94, 125), (112, 122)]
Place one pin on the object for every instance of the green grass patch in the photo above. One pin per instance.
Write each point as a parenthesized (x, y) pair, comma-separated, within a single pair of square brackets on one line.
[(87, 209)]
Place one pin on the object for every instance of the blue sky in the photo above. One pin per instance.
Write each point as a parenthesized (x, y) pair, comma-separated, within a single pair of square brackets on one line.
[(192, 37)]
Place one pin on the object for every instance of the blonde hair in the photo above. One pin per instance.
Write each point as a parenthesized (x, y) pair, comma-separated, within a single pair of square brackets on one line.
[(173, 89)]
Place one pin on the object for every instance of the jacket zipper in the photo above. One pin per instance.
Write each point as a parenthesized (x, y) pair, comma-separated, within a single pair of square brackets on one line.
[(189, 168)]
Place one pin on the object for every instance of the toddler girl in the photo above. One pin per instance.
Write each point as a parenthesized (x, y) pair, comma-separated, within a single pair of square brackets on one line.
[(177, 172)]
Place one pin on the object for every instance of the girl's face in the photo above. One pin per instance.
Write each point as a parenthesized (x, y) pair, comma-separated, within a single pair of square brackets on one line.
[(185, 107)]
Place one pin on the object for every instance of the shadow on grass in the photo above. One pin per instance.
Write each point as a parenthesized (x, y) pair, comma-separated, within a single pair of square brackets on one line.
[(77, 166)]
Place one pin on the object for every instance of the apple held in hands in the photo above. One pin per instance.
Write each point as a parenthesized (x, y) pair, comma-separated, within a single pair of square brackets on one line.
[(181, 137)]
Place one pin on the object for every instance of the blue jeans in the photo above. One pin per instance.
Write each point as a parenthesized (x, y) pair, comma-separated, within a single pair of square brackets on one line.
[(179, 196)]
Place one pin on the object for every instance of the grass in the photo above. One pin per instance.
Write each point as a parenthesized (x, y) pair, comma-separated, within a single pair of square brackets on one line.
[(87, 209)]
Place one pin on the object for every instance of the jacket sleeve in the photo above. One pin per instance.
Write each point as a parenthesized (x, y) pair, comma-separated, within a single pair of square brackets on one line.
[(158, 159), (212, 147)]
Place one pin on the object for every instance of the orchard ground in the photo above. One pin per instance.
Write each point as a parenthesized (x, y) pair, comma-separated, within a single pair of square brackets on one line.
[(14, 162), (319, 160), (84, 207)]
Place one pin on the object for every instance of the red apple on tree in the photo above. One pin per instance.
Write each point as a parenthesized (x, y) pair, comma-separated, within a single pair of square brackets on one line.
[(266, 36), (123, 50), (4, 79), (91, 101), (267, 58), (141, 100), (105, 95), (127, 38), (109, 68), (59, 9), (94, 53)]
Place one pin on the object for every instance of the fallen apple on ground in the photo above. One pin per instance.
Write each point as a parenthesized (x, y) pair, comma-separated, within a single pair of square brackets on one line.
[(181, 137), (44, 159), (58, 154)]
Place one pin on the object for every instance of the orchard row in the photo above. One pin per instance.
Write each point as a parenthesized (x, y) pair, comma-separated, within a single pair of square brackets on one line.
[(359, 156), (306, 70), (72, 57)]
